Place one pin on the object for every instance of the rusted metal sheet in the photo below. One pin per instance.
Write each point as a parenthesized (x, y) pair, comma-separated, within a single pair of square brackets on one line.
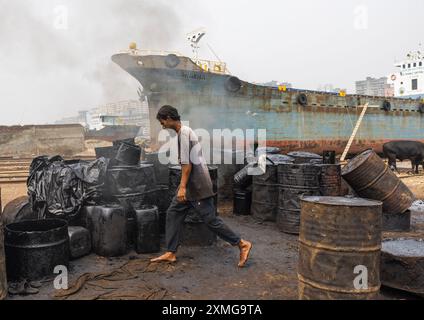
[(402, 264), (371, 178), (336, 236)]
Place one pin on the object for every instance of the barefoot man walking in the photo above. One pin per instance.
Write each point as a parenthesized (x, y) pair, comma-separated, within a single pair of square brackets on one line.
[(195, 191)]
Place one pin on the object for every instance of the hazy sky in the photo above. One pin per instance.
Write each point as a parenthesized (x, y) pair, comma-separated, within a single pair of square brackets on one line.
[(55, 54)]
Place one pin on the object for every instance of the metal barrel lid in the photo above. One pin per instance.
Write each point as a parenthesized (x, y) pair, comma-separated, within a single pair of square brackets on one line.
[(404, 247), (342, 201), (356, 162)]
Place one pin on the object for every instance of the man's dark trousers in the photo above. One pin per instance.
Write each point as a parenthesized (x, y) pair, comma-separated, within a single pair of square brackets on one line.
[(177, 213)]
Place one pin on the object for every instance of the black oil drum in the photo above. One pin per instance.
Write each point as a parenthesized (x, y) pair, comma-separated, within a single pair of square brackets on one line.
[(147, 230), (125, 180), (161, 170), (35, 247), (330, 180), (82, 220), (295, 181), (329, 157), (242, 202), (161, 198), (128, 154), (400, 222), (242, 179), (117, 143), (79, 242), (108, 153), (265, 190), (108, 226), (304, 157), (267, 151)]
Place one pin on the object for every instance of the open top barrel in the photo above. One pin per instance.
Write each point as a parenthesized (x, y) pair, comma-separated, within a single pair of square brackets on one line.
[(35, 247), (371, 178), (340, 245)]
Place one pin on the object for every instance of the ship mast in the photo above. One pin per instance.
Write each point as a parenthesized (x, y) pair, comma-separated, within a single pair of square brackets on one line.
[(194, 38)]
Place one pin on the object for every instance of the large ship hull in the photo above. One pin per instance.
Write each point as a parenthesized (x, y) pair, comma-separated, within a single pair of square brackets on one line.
[(321, 121)]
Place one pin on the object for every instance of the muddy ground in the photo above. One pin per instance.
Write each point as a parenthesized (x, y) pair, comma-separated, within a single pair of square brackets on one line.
[(209, 273)]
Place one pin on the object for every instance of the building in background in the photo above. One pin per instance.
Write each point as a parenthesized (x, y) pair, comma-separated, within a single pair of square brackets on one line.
[(80, 119), (374, 87), (275, 83), (122, 113)]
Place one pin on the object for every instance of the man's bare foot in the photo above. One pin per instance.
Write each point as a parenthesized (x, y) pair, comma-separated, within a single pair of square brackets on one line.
[(245, 247), (167, 257)]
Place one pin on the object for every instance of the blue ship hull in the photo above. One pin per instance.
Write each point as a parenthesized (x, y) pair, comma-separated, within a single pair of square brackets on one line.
[(325, 120)]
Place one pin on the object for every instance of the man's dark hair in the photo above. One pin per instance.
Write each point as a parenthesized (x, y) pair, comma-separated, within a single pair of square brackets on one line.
[(168, 112)]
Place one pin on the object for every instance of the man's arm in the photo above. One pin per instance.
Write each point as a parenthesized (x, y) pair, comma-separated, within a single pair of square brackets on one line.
[(185, 175)]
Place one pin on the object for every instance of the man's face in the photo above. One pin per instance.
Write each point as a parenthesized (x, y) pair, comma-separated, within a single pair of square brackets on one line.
[(167, 124)]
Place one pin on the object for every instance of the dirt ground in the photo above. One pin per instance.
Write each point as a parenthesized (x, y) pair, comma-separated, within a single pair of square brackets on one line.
[(208, 273)]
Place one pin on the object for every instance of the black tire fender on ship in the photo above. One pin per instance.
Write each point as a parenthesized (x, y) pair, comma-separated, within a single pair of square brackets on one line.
[(232, 84), (421, 108), (387, 106), (172, 61), (302, 99)]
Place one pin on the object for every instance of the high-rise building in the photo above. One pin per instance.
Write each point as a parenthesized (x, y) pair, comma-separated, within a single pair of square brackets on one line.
[(374, 87)]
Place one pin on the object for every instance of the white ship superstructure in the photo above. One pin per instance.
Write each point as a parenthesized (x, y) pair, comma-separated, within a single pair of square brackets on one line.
[(408, 82)]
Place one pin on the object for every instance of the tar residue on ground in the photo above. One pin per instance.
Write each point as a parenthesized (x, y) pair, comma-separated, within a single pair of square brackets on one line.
[(203, 273)]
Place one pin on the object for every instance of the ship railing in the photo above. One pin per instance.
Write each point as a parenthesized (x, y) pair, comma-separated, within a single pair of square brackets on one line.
[(137, 52), (212, 66)]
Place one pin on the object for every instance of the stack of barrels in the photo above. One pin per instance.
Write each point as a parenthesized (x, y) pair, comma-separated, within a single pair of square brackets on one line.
[(265, 189), (196, 233), (117, 223), (297, 180)]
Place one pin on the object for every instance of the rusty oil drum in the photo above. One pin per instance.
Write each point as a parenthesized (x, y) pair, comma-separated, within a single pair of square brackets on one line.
[(371, 178), (337, 236)]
